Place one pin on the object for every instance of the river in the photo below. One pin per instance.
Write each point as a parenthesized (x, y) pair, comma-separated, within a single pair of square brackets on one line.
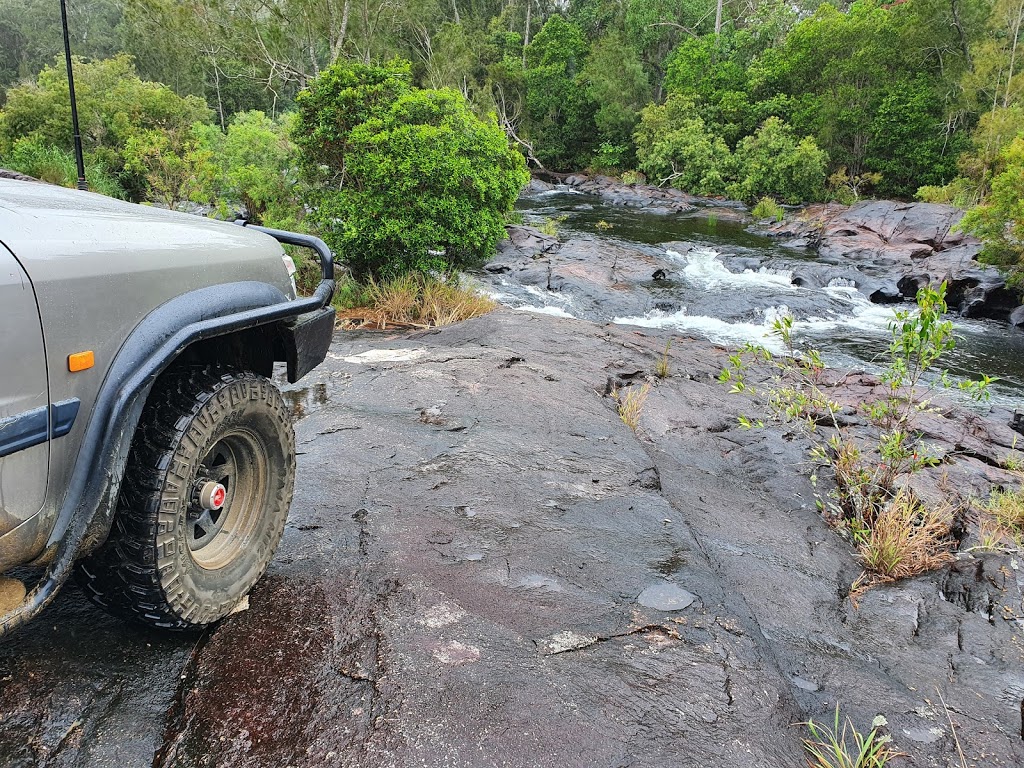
[(728, 285)]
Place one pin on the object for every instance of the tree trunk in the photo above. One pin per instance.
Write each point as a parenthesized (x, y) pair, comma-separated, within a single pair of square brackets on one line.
[(958, 25), (526, 37), (1013, 52)]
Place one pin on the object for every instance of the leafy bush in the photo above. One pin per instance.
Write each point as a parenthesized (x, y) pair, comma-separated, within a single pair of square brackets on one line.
[(773, 162), (254, 164), (403, 179), (999, 221), (674, 145), (114, 105), (172, 166)]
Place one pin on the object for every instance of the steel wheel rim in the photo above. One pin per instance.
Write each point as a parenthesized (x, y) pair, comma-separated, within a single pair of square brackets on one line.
[(215, 538)]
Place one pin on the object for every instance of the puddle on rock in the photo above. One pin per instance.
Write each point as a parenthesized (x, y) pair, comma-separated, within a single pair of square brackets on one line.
[(302, 402)]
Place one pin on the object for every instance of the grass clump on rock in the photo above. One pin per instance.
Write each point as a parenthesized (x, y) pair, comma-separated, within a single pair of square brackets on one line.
[(841, 745), (767, 208), (412, 300), (629, 403)]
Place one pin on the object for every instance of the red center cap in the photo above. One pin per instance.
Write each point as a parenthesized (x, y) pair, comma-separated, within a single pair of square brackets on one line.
[(217, 497)]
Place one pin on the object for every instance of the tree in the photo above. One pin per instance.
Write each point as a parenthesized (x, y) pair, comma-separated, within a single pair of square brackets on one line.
[(772, 162), (30, 33), (254, 162), (559, 114), (414, 180), (618, 85), (906, 144), (114, 104), (674, 145), (999, 221)]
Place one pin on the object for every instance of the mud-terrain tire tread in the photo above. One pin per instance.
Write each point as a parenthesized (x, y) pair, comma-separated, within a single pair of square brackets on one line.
[(123, 575)]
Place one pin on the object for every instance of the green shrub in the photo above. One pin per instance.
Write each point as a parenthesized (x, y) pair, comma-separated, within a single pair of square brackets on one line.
[(403, 179), (999, 221), (767, 208), (773, 162), (114, 105), (254, 164), (673, 145)]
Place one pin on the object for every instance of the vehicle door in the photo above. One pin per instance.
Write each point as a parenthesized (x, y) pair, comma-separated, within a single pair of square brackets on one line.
[(24, 399)]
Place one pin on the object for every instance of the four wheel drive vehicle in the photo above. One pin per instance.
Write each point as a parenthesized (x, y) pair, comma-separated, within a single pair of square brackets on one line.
[(142, 444)]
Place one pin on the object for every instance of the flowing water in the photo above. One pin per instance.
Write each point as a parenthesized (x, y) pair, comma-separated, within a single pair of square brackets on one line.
[(729, 285)]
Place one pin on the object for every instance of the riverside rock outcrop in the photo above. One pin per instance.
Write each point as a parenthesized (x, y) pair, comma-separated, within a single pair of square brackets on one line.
[(900, 247)]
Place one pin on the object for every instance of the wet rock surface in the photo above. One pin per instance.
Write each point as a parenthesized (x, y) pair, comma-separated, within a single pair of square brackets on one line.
[(899, 248), (485, 567)]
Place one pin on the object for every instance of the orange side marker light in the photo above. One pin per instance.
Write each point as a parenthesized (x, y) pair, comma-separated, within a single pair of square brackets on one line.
[(81, 361)]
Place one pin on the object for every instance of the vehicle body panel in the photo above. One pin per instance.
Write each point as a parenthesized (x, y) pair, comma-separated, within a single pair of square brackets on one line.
[(99, 266), (143, 290), (24, 397)]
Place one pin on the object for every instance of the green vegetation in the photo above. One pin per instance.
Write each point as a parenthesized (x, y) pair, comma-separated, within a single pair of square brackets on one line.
[(841, 745), (895, 535), (402, 178), (767, 208), (662, 368), (799, 101)]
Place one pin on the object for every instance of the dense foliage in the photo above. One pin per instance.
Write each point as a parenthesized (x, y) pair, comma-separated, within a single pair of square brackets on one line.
[(794, 99), (403, 178)]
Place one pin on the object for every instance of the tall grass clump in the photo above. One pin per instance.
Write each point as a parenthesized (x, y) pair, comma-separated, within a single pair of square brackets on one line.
[(412, 300), (57, 166), (629, 403), (767, 208)]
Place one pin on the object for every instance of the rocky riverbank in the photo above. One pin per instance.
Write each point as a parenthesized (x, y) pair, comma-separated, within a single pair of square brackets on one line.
[(485, 567), (887, 249)]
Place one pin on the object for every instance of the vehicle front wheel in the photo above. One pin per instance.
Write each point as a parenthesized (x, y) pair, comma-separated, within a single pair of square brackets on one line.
[(203, 501)]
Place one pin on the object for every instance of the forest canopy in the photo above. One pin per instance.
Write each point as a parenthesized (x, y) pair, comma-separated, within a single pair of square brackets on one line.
[(799, 100)]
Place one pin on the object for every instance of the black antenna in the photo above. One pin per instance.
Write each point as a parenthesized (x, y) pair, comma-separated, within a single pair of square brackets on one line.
[(82, 183)]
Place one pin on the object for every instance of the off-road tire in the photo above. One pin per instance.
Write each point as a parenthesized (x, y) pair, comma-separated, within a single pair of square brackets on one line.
[(149, 569)]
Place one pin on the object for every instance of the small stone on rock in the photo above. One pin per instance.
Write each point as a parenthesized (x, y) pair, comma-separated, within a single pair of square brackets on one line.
[(666, 597)]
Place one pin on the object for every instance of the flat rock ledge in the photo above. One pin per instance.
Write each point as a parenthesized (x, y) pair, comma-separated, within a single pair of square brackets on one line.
[(485, 567)]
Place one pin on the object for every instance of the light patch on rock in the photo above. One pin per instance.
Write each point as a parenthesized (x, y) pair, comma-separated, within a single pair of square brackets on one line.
[(454, 652), (567, 640), (441, 615), (666, 597), (241, 605), (538, 581), (383, 356), (924, 735)]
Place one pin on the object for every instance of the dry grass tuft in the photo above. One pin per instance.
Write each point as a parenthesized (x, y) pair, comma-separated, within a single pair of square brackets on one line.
[(906, 539), (630, 404), (661, 368), (1007, 510), (416, 301), (1001, 522)]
